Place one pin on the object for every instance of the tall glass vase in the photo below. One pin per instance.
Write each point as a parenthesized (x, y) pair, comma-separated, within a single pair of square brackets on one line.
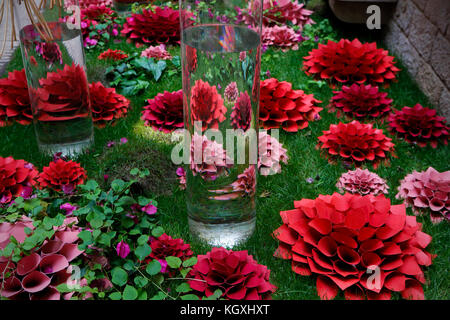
[(220, 49), (55, 67)]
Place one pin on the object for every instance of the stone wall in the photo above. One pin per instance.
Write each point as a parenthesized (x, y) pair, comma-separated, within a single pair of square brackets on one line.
[(419, 33)]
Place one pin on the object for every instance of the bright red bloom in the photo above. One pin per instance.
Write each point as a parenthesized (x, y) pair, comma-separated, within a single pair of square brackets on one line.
[(87, 3), (419, 125), (62, 175), (351, 61), (165, 246), (280, 105), (207, 105), (356, 143), (191, 58), (107, 105), (165, 111), (50, 52), (361, 101), (235, 273), (115, 55), (15, 177), (345, 238), (161, 25), (97, 12), (63, 95), (241, 115), (14, 99)]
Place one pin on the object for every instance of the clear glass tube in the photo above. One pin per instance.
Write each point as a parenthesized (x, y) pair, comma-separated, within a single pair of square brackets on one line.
[(220, 50)]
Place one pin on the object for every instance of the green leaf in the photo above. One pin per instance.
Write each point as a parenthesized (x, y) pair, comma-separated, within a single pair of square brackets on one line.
[(159, 296), (119, 276), (183, 288), (190, 262), (142, 295), (142, 239), (157, 232), (134, 171), (189, 297), (115, 296), (173, 262), (140, 281), (153, 268), (130, 293), (184, 272), (86, 236), (143, 251)]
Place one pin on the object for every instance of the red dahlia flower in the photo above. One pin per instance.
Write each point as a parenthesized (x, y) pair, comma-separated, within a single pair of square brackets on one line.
[(165, 111), (356, 143), (62, 175), (282, 106), (427, 191), (235, 273), (150, 26), (351, 61), (14, 99), (241, 115), (16, 178), (191, 58), (165, 246), (207, 105), (97, 12), (344, 239), (63, 95), (107, 105), (361, 101), (115, 55), (419, 125), (50, 52), (87, 3)]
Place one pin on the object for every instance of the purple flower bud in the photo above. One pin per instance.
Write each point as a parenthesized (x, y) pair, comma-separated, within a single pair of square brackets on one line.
[(180, 171), (123, 140), (110, 144), (68, 188), (309, 180), (68, 208), (163, 265), (122, 249), (149, 209)]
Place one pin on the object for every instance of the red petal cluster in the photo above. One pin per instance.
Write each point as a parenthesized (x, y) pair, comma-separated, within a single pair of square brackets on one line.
[(165, 111), (241, 115), (160, 26), (361, 101), (50, 52), (351, 61), (207, 105), (36, 276), (283, 37), (165, 246), (107, 105), (97, 12), (62, 175), (63, 95), (356, 143), (14, 99), (87, 3), (419, 125), (15, 177), (345, 239), (282, 106), (115, 55), (235, 273), (191, 58)]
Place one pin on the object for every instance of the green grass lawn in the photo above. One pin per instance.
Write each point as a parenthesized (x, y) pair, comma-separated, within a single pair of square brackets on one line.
[(147, 148)]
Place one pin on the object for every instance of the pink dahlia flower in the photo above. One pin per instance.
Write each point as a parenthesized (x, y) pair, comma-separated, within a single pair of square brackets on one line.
[(271, 154), (231, 92), (157, 52), (284, 37), (246, 181), (362, 182)]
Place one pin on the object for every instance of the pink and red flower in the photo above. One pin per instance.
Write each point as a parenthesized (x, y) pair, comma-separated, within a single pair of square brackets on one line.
[(419, 125), (356, 143), (363, 182), (62, 175), (361, 101), (17, 177), (241, 114), (235, 273), (280, 105), (246, 182), (351, 61), (231, 92), (157, 52), (165, 111), (343, 239), (115, 55), (270, 154), (283, 37), (50, 52), (165, 246)]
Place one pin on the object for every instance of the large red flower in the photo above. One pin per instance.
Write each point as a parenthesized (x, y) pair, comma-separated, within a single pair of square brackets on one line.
[(362, 245), (419, 125), (280, 105), (356, 143), (241, 115), (351, 61), (161, 25), (14, 99), (63, 95), (165, 246), (235, 273), (62, 175), (207, 105), (361, 101), (115, 55), (17, 177), (107, 105), (165, 111)]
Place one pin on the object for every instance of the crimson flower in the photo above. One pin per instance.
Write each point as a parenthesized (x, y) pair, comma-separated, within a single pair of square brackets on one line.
[(235, 273), (106, 104), (241, 115), (62, 175), (115, 55), (356, 143), (191, 58), (351, 61), (280, 105), (207, 105), (343, 239), (16, 178), (50, 52), (87, 3), (14, 99), (161, 25), (419, 125), (165, 111), (165, 246), (361, 101)]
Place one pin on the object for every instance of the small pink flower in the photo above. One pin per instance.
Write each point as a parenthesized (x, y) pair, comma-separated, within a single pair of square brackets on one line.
[(110, 144), (68, 208), (122, 249), (105, 177), (149, 209), (163, 265), (123, 140)]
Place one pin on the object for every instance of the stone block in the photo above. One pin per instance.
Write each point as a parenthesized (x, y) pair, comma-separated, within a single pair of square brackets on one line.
[(444, 105), (438, 11), (430, 83), (422, 34), (440, 58)]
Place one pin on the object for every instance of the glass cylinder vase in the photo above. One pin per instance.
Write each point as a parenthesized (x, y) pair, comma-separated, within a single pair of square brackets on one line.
[(55, 67), (220, 50)]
